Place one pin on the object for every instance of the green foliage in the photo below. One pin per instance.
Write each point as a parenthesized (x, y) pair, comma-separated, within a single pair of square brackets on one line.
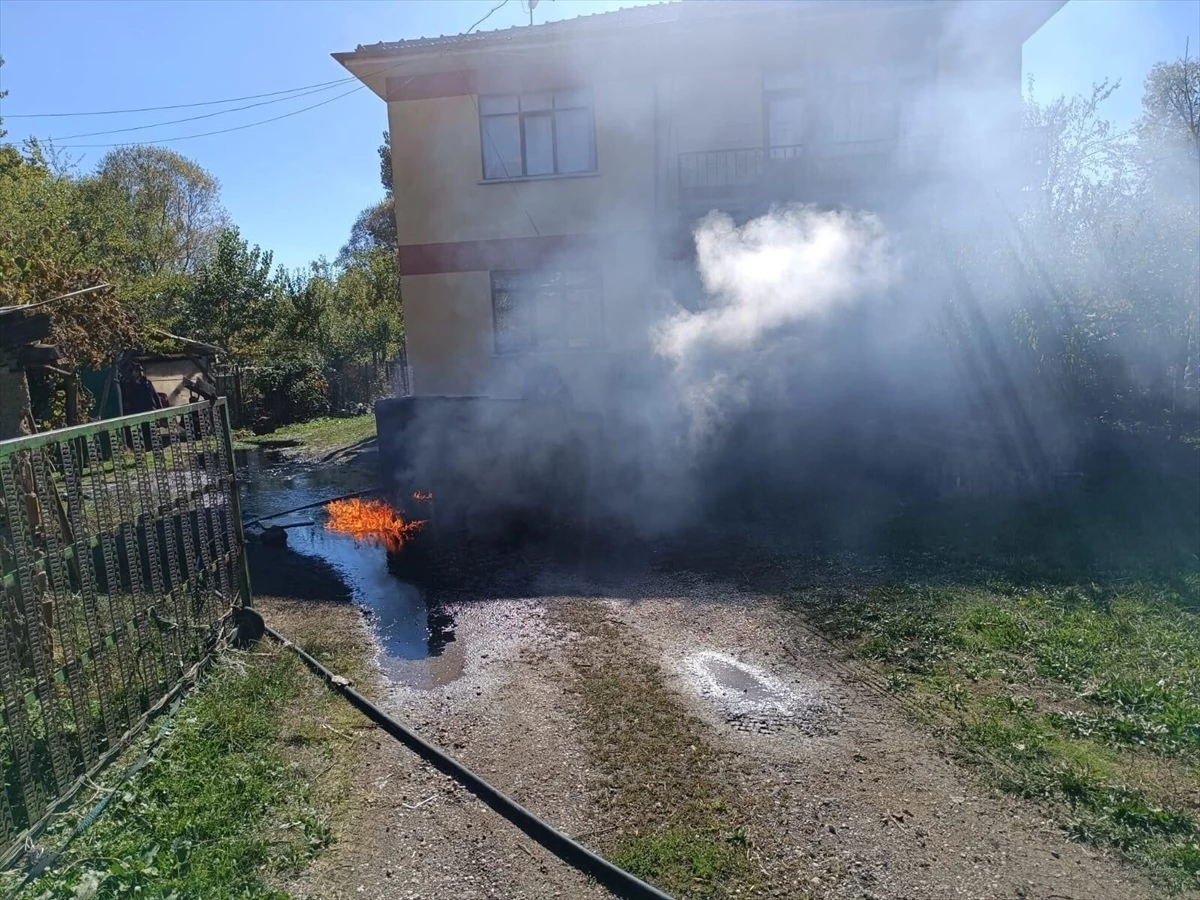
[(1084, 696), (170, 208), (1125, 327), (347, 313), (374, 229), (1170, 118), (385, 162), (318, 434), (149, 222), (290, 391), (1087, 160), (234, 301), (368, 325), (216, 812), (691, 862), (52, 243)]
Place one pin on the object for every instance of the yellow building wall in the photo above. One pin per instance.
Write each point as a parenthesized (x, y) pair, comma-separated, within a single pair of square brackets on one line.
[(449, 326), (648, 110), (437, 173)]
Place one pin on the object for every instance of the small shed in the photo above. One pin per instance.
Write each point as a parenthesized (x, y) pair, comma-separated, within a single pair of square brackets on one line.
[(178, 378), (21, 332), (180, 370)]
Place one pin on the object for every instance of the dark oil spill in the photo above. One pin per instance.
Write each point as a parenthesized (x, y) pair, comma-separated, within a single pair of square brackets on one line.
[(415, 638)]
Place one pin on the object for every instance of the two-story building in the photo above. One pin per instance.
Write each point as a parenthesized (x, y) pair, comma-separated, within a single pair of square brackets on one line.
[(547, 177)]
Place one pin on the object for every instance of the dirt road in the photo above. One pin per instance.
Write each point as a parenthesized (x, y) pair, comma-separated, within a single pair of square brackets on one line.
[(678, 708)]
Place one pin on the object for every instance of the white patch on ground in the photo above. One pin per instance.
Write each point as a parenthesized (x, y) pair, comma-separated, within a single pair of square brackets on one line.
[(752, 699)]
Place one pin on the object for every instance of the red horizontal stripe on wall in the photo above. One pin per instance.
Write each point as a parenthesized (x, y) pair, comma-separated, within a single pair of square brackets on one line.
[(480, 256)]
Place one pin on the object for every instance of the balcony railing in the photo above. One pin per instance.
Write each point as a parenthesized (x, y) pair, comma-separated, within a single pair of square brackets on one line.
[(834, 171)]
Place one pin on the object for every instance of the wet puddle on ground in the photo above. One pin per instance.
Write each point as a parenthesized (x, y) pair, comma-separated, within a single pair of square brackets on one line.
[(417, 643)]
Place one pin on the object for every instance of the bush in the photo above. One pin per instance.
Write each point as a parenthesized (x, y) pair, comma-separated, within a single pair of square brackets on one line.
[(291, 391)]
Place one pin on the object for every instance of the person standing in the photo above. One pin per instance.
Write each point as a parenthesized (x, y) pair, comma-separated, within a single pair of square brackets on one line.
[(138, 396), (137, 393)]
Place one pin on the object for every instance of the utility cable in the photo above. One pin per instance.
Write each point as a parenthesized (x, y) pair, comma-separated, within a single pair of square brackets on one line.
[(294, 92), (495, 8), (118, 112), (186, 137), (219, 112)]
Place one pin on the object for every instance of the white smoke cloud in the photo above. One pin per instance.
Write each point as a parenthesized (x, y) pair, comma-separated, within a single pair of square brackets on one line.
[(794, 264)]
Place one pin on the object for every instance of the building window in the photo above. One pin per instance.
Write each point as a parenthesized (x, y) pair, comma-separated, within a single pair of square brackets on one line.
[(547, 309), (548, 133)]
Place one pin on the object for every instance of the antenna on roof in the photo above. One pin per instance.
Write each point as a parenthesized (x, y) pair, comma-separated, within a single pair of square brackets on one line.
[(530, 5)]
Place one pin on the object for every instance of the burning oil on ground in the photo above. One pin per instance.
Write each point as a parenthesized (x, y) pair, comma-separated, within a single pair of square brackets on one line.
[(415, 637), (373, 521)]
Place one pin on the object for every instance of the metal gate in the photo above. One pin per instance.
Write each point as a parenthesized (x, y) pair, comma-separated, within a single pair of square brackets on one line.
[(121, 558)]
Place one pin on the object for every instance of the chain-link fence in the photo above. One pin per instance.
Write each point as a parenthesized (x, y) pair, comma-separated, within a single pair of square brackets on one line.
[(121, 557)]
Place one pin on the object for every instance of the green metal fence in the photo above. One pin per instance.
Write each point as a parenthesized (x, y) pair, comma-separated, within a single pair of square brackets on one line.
[(121, 557)]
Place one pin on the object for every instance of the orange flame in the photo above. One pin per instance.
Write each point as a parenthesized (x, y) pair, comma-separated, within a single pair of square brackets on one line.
[(422, 496), (372, 520)]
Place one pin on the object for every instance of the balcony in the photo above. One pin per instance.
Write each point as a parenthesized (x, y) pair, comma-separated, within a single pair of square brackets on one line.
[(867, 173)]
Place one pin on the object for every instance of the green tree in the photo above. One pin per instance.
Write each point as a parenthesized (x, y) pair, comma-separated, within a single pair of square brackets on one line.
[(1116, 229), (365, 316), (1087, 160), (173, 209), (234, 301), (1162, 232), (375, 225), (1170, 120), (47, 249), (367, 321), (305, 323), (375, 228), (4, 94), (385, 162)]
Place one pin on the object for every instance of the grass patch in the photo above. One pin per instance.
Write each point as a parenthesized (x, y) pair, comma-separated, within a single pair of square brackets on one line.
[(316, 435), (1086, 697), (659, 777), (232, 801), (681, 857)]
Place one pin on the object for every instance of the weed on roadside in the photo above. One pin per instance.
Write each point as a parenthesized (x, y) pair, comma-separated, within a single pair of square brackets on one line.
[(1085, 697), (219, 810), (659, 777), (315, 435)]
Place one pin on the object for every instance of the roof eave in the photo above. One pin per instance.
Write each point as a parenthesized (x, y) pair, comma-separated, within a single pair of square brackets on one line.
[(1028, 17), (371, 71)]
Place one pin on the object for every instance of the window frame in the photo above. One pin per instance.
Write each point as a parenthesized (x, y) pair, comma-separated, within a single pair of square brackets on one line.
[(592, 279), (522, 115)]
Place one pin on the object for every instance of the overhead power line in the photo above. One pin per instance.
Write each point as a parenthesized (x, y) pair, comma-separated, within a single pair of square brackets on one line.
[(117, 112), (219, 112), (498, 6), (186, 137), (294, 91)]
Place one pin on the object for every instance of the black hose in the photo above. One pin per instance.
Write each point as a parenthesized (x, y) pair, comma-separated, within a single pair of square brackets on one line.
[(285, 512), (615, 879)]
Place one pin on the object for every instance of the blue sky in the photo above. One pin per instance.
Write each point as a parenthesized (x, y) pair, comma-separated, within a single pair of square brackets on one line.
[(295, 186)]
